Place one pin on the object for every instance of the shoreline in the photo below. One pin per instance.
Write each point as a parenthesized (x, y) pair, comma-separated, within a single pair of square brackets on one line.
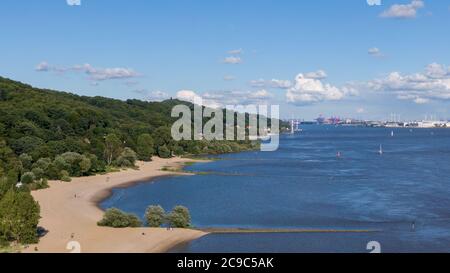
[(70, 212)]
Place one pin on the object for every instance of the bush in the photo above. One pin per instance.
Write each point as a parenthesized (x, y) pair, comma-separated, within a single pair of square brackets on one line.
[(38, 173), (28, 178), (126, 159), (118, 219), (164, 152), (180, 217), (42, 163), (64, 176), (155, 216)]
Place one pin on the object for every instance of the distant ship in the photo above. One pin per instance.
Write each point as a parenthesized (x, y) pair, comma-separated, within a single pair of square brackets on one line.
[(381, 150)]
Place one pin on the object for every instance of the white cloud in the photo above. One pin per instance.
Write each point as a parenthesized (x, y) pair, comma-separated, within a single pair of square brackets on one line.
[(403, 11), (73, 2), (232, 60), (421, 100), (235, 51), (308, 88), (43, 66), (223, 98), (258, 95), (319, 74), (102, 74), (375, 52), (157, 96), (432, 84), (274, 83), (95, 74)]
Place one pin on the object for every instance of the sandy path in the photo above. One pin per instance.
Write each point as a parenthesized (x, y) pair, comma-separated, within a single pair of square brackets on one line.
[(65, 215)]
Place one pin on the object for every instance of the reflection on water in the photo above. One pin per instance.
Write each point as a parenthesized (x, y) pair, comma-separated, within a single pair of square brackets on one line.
[(306, 185)]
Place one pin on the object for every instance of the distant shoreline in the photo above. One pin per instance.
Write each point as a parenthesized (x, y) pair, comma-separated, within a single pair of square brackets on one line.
[(70, 212)]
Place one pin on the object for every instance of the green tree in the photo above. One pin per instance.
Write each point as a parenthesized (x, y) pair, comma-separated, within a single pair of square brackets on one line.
[(127, 158), (118, 219), (180, 217), (19, 217), (113, 147), (26, 161), (85, 165), (145, 148), (38, 173), (164, 152), (155, 216)]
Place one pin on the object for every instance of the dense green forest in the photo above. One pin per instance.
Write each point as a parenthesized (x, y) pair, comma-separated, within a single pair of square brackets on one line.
[(46, 134)]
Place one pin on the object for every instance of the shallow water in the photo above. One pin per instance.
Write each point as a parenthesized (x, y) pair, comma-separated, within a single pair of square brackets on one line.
[(305, 185)]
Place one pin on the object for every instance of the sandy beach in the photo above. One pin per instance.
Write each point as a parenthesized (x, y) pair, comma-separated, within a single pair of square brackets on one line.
[(69, 212)]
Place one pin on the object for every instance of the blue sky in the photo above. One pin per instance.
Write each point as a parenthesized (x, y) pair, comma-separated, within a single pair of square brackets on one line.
[(328, 57)]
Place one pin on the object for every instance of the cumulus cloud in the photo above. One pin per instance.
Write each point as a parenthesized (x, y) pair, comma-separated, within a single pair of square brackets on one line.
[(95, 74), (309, 88), (224, 98), (232, 60), (431, 84), (274, 83), (403, 11)]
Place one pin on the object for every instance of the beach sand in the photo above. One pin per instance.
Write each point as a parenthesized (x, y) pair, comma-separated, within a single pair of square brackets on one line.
[(69, 212)]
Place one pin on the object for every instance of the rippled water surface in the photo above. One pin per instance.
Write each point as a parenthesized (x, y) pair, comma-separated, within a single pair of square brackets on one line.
[(305, 185)]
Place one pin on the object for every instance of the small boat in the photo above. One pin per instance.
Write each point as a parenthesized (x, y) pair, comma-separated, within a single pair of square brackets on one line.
[(381, 150), (392, 133)]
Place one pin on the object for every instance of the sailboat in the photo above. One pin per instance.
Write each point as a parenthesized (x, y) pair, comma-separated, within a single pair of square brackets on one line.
[(381, 150), (392, 133)]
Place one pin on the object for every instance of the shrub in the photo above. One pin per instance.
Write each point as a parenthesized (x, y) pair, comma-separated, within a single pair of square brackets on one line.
[(155, 216), (164, 152), (38, 173), (180, 217), (64, 176), (118, 219), (126, 159), (28, 178), (42, 163)]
